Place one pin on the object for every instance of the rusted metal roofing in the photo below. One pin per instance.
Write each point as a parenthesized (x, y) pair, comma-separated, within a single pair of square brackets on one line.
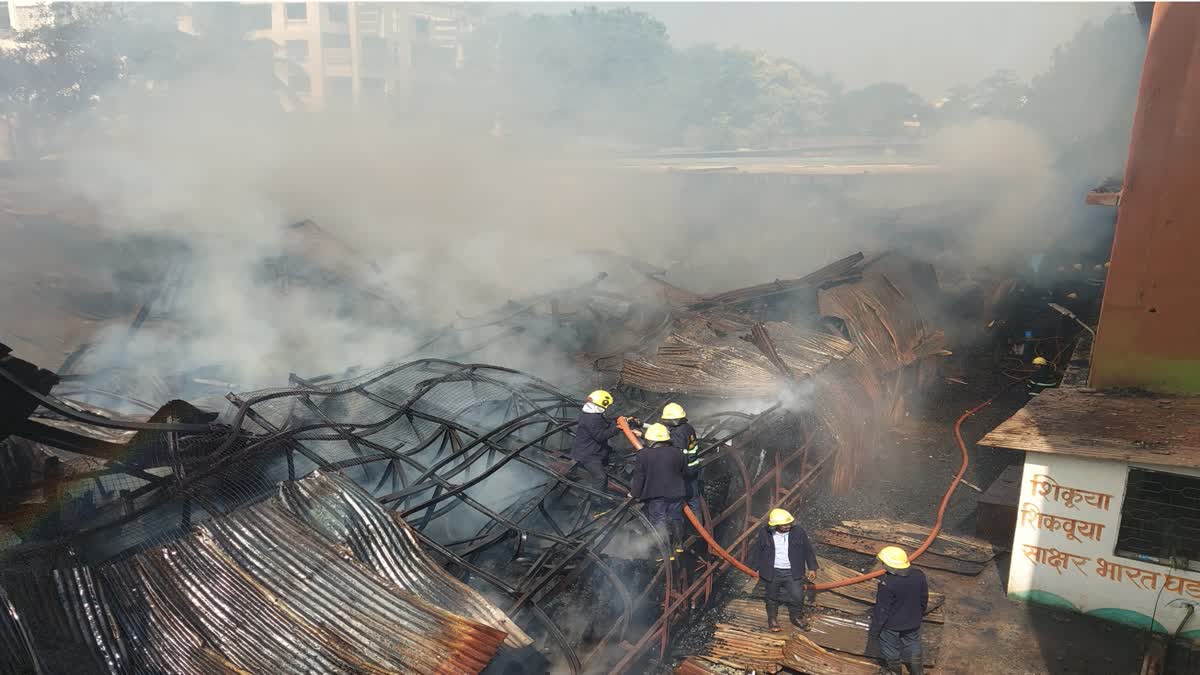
[(259, 590), (700, 361), (847, 402), (885, 312), (839, 270), (344, 514), (806, 656), (744, 640), (707, 665)]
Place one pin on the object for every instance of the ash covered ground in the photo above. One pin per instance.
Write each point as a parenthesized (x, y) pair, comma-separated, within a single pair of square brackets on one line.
[(915, 462)]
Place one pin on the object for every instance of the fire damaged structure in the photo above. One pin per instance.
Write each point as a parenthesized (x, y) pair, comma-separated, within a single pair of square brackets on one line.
[(425, 516)]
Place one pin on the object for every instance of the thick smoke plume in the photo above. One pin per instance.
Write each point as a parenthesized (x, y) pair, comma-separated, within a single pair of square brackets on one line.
[(444, 222)]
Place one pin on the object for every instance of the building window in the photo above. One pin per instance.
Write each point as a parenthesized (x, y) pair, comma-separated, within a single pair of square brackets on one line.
[(338, 13), (372, 89), (375, 51), (338, 88), (1160, 519), (255, 17), (421, 26), (296, 11), (297, 50), (433, 57), (5, 19), (335, 40)]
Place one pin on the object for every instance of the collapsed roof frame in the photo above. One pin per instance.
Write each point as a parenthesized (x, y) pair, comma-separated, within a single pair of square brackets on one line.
[(295, 427), (290, 425)]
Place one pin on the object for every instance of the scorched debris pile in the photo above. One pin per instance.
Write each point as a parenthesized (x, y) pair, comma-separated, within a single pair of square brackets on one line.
[(425, 517)]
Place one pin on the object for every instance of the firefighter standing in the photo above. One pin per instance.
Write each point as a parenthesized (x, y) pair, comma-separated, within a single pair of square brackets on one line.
[(784, 559), (658, 481), (1044, 376), (592, 434), (900, 602), (683, 436)]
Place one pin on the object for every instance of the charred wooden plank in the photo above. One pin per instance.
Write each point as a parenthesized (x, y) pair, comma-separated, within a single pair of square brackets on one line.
[(910, 536), (872, 546)]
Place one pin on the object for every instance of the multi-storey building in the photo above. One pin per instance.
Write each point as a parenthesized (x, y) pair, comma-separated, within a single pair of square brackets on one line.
[(352, 53)]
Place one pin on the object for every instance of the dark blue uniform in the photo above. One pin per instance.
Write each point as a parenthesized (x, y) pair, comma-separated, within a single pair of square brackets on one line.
[(659, 473), (683, 436), (658, 480), (801, 557), (1044, 377), (591, 447), (900, 602)]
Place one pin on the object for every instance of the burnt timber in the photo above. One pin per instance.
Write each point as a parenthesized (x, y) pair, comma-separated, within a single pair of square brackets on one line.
[(465, 468)]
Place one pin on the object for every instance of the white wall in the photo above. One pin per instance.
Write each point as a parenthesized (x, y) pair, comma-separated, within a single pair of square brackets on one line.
[(1051, 568)]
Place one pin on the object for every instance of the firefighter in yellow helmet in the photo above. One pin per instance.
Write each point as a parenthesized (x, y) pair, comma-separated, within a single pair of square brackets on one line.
[(683, 436), (901, 600), (784, 559), (658, 481), (1044, 376), (593, 432)]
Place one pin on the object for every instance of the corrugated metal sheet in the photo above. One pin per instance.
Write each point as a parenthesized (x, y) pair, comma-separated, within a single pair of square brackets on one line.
[(707, 665), (340, 511), (259, 591), (744, 638), (883, 312), (703, 359), (805, 656), (17, 652), (839, 270)]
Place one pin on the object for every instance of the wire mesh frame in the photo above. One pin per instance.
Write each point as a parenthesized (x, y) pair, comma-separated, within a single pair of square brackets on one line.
[(536, 427)]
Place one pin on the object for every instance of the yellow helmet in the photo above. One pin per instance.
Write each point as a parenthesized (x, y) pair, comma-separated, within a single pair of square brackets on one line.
[(673, 411), (1040, 361), (779, 517), (657, 432), (1072, 296), (894, 557), (601, 398)]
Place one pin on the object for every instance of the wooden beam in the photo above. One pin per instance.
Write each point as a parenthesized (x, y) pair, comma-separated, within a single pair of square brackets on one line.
[(1097, 198)]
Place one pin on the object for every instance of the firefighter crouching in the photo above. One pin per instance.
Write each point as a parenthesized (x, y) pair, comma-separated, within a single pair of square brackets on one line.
[(658, 481), (683, 436), (1044, 376), (784, 559), (592, 435), (900, 603)]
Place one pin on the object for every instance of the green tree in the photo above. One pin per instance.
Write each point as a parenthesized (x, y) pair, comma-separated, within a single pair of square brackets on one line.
[(104, 57), (712, 93), (590, 71), (1088, 94), (792, 102), (881, 109)]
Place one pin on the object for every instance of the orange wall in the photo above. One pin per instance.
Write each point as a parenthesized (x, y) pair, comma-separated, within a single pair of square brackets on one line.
[(1149, 333)]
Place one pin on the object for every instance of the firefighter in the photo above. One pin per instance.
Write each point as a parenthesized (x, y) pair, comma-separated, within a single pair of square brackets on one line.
[(784, 559), (1044, 376), (683, 436), (592, 434), (658, 481), (900, 602)]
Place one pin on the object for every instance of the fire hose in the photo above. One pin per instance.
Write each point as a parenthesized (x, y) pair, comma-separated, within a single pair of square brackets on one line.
[(933, 533)]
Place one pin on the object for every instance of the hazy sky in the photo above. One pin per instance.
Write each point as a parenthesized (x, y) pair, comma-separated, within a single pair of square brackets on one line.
[(927, 46)]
